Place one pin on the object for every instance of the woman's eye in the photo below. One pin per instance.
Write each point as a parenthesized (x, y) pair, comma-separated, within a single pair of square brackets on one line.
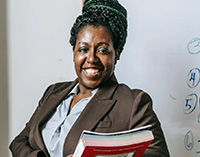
[(103, 50), (83, 49)]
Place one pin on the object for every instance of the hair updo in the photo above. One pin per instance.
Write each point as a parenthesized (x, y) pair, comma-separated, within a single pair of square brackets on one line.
[(108, 13)]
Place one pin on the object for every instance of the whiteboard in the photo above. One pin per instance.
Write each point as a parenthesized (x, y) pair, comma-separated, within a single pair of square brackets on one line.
[(162, 57)]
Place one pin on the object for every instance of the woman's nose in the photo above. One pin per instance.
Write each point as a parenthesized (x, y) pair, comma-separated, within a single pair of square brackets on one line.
[(91, 58)]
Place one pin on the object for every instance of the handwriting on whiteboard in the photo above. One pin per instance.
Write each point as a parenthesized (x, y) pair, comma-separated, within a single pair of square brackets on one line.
[(190, 103), (194, 78), (194, 46), (192, 100), (189, 141)]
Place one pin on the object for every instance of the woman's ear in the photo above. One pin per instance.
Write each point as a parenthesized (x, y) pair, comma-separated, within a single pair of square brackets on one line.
[(73, 55), (117, 56)]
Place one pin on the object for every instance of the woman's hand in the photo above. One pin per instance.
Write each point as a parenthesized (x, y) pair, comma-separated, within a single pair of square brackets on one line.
[(71, 155), (82, 5)]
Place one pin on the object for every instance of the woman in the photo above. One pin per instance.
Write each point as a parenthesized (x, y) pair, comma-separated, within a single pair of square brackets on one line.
[(95, 100)]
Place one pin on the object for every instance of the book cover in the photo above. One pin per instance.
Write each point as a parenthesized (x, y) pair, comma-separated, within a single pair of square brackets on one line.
[(130, 143)]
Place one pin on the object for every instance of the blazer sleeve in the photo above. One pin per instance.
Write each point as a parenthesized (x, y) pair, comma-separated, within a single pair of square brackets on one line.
[(142, 115), (20, 146)]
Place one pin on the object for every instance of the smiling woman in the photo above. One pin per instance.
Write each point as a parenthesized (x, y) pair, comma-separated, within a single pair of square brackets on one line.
[(94, 57), (95, 100)]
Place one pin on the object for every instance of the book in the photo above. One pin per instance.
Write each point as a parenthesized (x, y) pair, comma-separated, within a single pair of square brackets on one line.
[(130, 143)]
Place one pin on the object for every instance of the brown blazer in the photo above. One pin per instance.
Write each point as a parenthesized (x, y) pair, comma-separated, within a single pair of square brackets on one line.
[(115, 107)]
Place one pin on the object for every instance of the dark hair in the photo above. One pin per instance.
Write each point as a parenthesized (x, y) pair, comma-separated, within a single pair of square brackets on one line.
[(107, 13)]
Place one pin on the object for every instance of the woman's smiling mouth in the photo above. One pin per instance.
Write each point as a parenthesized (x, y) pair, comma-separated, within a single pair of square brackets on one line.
[(91, 72)]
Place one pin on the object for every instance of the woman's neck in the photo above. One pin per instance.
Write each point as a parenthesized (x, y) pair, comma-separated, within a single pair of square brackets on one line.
[(83, 91)]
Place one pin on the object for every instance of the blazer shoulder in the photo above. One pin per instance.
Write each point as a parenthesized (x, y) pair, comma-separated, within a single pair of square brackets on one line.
[(60, 86), (134, 93), (57, 87)]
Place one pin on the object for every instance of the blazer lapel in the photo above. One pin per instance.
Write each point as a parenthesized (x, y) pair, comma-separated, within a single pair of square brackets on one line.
[(54, 100), (48, 108), (99, 105)]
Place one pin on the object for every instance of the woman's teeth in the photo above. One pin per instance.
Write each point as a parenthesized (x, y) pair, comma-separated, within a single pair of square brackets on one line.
[(92, 71)]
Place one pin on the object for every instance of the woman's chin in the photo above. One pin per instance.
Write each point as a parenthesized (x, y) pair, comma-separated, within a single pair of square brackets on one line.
[(92, 85)]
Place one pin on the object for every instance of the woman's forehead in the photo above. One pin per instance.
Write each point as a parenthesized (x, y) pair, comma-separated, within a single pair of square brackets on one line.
[(90, 31)]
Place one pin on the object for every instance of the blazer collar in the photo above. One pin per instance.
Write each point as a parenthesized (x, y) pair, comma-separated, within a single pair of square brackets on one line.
[(57, 96), (98, 106), (107, 90), (104, 92), (95, 110), (49, 106)]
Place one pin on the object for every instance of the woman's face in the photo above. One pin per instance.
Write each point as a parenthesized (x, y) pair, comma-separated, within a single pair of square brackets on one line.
[(94, 56)]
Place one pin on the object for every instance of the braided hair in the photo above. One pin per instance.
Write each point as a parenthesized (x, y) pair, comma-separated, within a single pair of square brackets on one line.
[(108, 13)]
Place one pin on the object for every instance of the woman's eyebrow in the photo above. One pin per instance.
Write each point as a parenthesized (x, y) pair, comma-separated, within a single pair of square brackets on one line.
[(100, 43), (82, 42), (103, 43)]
